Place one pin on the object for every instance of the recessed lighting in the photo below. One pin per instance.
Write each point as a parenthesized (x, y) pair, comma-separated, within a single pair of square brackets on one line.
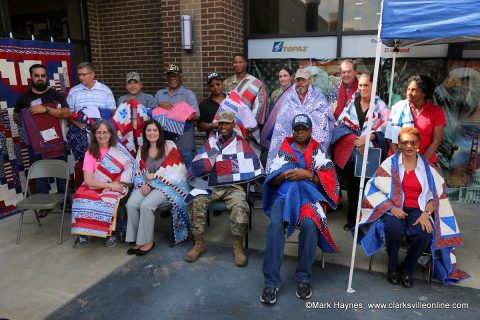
[(357, 18)]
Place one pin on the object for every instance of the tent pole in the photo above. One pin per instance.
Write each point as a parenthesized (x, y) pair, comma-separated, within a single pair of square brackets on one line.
[(392, 76), (365, 152)]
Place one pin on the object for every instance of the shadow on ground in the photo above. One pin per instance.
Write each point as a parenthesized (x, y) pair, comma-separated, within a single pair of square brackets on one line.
[(162, 286)]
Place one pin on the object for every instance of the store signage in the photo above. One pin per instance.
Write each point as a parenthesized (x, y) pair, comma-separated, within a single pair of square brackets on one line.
[(296, 48)]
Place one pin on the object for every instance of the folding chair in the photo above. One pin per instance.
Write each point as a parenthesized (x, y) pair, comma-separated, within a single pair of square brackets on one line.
[(44, 169), (403, 248)]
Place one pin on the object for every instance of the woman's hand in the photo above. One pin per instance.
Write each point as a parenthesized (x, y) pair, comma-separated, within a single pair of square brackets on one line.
[(297, 174), (145, 189), (116, 186), (150, 176), (398, 213), (425, 222), (360, 144)]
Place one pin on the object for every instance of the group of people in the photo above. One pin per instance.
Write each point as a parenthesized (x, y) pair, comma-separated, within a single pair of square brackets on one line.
[(312, 142)]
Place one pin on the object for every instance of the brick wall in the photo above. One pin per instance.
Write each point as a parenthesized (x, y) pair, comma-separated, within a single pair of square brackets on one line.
[(222, 36), (145, 36), (126, 35)]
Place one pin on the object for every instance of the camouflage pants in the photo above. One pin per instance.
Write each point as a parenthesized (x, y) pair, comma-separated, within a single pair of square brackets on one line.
[(235, 199)]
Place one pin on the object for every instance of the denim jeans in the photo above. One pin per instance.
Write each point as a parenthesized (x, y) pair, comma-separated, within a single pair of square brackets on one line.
[(275, 244), (187, 156)]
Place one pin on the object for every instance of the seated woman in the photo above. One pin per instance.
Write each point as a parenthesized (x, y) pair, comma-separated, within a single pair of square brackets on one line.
[(300, 183), (349, 138), (406, 197), (107, 168), (161, 177)]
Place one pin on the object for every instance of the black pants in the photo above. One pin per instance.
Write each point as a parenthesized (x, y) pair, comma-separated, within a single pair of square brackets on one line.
[(353, 187)]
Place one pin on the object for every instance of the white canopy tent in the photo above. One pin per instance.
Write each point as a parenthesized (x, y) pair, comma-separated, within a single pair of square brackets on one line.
[(406, 23)]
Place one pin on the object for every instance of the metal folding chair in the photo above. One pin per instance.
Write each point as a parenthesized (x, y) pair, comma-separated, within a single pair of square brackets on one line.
[(44, 169)]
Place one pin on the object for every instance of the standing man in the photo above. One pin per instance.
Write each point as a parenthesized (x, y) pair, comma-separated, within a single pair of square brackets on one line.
[(85, 99), (209, 106), (175, 92), (134, 87), (250, 88), (301, 98), (89, 95), (40, 98), (338, 97)]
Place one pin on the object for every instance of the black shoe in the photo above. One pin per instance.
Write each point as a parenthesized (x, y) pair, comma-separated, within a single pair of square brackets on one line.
[(217, 213), (140, 252), (407, 280), (348, 227), (132, 251), (304, 291), (269, 295), (83, 240), (393, 277)]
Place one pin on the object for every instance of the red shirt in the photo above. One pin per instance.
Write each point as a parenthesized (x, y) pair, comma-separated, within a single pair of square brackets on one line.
[(411, 189), (430, 116)]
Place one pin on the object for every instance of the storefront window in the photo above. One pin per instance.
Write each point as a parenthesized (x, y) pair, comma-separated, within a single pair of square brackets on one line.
[(292, 16), (360, 15), (61, 20)]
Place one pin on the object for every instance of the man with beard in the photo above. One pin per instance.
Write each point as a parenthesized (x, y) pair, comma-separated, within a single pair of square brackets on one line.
[(175, 92), (40, 98), (250, 88), (340, 96)]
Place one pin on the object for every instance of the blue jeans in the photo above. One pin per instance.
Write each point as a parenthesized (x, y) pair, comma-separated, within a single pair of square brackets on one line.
[(187, 156), (275, 244), (418, 240), (42, 185)]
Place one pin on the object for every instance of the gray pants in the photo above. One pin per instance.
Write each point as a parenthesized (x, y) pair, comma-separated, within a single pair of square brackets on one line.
[(141, 215)]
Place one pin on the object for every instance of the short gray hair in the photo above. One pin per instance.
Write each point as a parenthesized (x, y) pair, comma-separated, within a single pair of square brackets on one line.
[(87, 65)]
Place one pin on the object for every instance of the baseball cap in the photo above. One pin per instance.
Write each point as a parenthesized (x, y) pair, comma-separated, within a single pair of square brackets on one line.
[(174, 69), (133, 76), (303, 120), (226, 116), (212, 76), (303, 73)]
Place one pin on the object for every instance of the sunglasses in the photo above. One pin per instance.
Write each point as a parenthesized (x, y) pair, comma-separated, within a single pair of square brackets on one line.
[(412, 143)]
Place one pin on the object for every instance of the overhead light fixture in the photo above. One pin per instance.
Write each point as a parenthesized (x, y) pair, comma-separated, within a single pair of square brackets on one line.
[(358, 3), (186, 25), (357, 18)]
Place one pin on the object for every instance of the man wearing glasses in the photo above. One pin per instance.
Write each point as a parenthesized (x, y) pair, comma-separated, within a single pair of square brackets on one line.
[(40, 98)]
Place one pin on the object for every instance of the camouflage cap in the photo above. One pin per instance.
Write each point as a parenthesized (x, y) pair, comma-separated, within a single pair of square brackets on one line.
[(133, 76), (226, 116)]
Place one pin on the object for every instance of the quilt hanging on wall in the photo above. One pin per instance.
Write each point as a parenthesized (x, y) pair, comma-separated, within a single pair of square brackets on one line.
[(16, 57)]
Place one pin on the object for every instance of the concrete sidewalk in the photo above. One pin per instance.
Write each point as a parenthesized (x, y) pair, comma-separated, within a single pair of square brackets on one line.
[(38, 276)]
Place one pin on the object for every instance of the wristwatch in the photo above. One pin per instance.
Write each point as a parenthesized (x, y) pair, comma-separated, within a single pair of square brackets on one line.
[(48, 109)]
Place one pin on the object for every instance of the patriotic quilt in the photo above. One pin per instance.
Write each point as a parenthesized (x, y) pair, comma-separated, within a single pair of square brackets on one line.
[(171, 180), (16, 57), (384, 191), (128, 120), (303, 199), (174, 120)]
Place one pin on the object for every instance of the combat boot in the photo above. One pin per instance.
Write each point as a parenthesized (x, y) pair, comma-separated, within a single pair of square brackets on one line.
[(238, 253), (198, 249)]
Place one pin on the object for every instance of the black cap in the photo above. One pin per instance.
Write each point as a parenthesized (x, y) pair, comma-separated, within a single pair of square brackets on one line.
[(213, 76)]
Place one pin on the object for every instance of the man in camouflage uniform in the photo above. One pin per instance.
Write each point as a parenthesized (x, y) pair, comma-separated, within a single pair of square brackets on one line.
[(234, 197)]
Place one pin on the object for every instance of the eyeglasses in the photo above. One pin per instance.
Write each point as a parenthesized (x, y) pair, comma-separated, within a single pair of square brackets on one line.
[(84, 74), (102, 133), (412, 143)]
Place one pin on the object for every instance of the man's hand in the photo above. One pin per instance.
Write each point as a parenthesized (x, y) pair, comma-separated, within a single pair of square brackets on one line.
[(165, 105), (37, 109), (297, 174), (145, 189), (398, 213)]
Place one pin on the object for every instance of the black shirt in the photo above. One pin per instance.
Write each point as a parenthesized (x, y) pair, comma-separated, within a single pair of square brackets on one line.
[(30, 98), (208, 108), (360, 113)]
